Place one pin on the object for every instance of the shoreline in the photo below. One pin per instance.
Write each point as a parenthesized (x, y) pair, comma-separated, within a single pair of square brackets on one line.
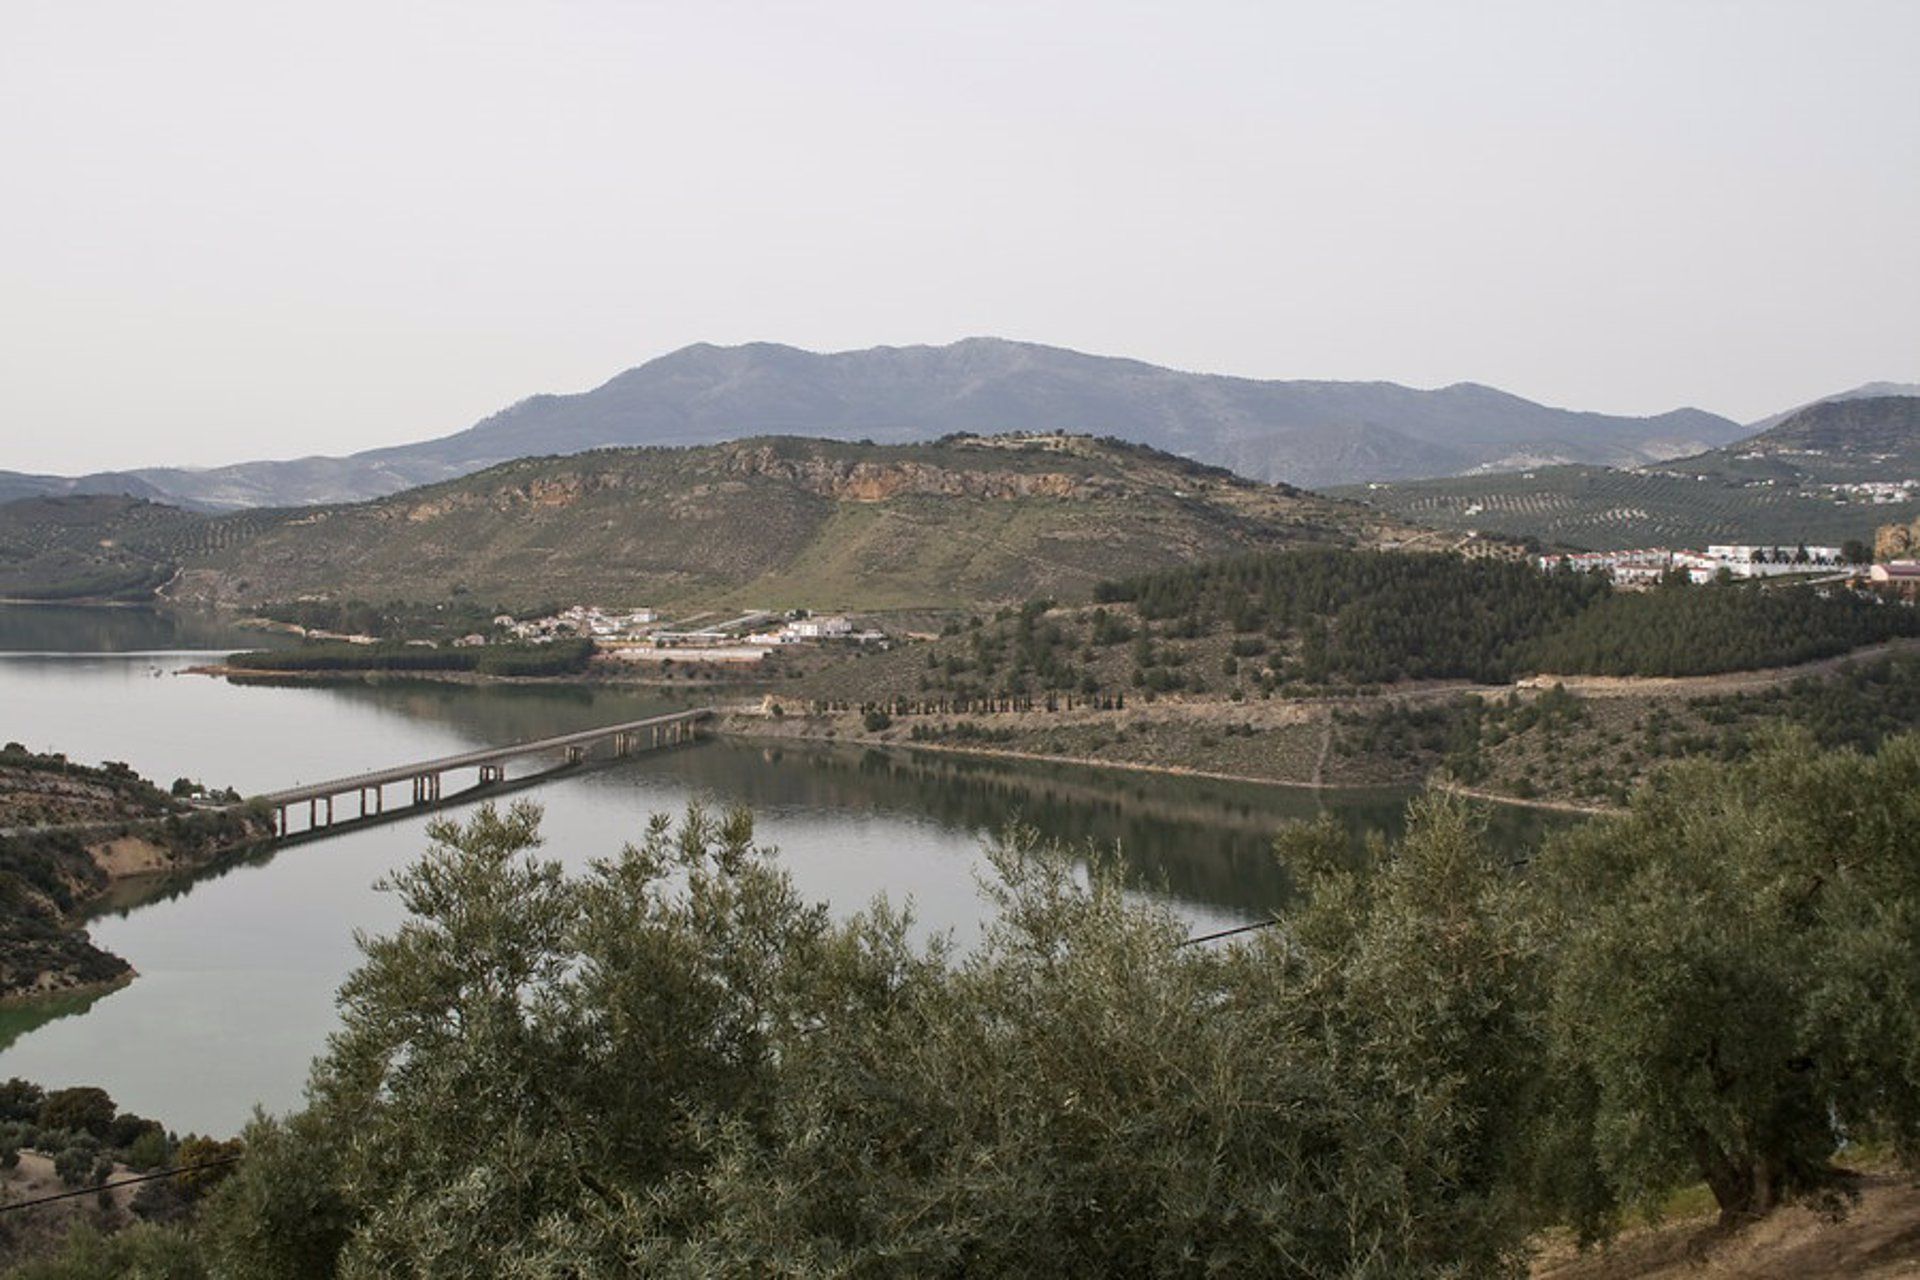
[(1166, 770), (82, 603), (78, 991), (578, 680)]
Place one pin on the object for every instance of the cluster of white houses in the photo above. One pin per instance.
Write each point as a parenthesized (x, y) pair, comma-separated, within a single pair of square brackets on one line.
[(1880, 492), (581, 620), (640, 635), (1646, 565)]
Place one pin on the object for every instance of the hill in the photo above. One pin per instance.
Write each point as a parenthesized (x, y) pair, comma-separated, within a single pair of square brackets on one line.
[(774, 522), (1852, 441), (68, 832), (106, 547), (1865, 391), (1824, 474), (1304, 432), (1601, 507)]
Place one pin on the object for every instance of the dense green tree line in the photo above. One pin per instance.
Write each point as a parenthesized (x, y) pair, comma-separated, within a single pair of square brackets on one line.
[(1369, 617), (1375, 617), (557, 658), (1686, 631), (396, 619), (1859, 706), (674, 1065)]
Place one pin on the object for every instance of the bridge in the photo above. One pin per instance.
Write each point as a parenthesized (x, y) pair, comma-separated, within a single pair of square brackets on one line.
[(425, 776)]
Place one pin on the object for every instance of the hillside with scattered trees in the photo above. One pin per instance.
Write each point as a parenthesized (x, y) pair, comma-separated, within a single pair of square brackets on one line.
[(767, 522), (67, 833)]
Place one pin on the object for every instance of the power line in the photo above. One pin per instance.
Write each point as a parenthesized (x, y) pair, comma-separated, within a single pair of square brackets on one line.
[(1225, 933), (124, 1182)]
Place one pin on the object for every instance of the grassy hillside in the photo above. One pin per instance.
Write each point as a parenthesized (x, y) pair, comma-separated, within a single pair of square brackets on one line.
[(779, 523)]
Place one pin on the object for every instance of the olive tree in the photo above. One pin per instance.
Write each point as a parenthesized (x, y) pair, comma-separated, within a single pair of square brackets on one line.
[(1736, 981), (675, 1065)]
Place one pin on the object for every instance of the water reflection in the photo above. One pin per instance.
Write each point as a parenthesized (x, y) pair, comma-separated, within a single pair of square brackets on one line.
[(55, 628), (239, 966)]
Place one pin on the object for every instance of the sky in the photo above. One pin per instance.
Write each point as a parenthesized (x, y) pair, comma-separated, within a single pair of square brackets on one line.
[(235, 229)]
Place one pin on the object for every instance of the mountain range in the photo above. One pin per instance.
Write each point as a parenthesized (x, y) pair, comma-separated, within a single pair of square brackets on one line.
[(1308, 433)]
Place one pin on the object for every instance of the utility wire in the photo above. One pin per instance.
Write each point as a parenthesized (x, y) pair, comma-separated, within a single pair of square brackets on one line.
[(1224, 933), (124, 1182)]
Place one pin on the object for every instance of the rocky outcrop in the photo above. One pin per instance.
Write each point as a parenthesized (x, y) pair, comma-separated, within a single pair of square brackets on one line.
[(1897, 542), (849, 481)]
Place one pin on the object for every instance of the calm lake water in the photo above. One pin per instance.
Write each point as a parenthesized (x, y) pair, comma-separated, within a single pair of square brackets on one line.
[(238, 970)]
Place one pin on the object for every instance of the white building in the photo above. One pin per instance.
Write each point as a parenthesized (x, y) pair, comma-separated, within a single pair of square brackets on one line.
[(1745, 561), (821, 628)]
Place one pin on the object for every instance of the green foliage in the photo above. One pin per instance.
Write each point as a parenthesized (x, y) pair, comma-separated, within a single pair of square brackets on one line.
[(560, 657), (84, 1109), (1859, 706), (1376, 617), (76, 1166), (1370, 617), (1699, 631), (209, 1160), (148, 1150), (394, 620), (20, 1100), (1599, 507), (674, 1065), (139, 1253), (283, 1216), (1736, 983)]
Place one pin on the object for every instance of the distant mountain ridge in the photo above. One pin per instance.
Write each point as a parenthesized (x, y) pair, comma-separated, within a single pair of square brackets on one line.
[(1310, 433)]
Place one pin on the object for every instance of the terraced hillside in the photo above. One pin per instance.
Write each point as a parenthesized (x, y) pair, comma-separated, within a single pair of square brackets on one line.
[(1804, 480), (1599, 507), (775, 522), (1838, 442), (107, 547)]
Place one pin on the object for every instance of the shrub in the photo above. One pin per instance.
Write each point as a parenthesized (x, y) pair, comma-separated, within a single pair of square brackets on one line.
[(74, 1166), (149, 1150), (83, 1109), (21, 1100)]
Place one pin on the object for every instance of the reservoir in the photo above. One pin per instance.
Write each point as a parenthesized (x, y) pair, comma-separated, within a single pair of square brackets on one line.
[(238, 969)]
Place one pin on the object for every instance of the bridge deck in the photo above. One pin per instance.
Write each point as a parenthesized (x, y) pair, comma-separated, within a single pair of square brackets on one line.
[(468, 759)]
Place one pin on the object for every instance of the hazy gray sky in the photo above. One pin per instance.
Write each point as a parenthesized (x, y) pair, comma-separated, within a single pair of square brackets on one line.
[(239, 229)]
